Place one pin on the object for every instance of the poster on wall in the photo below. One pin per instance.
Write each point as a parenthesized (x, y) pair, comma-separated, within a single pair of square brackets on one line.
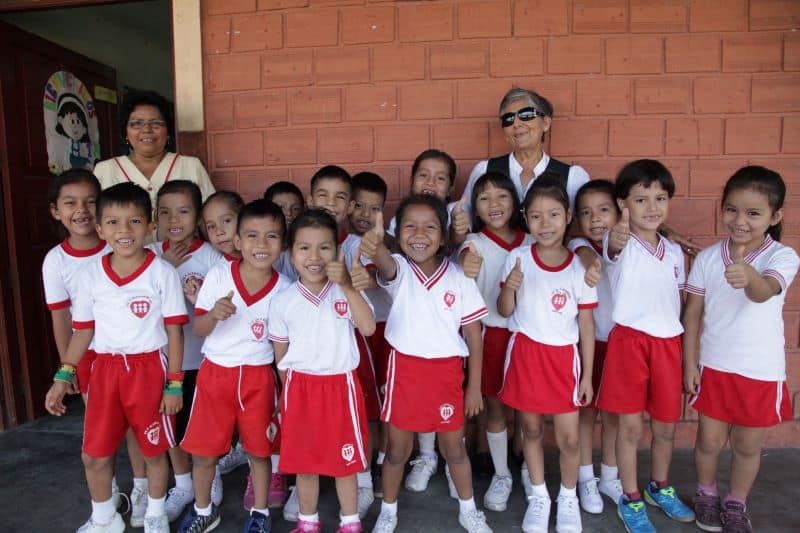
[(70, 124)]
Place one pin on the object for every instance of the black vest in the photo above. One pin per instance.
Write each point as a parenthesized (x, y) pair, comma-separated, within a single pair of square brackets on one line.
[(502, 165)]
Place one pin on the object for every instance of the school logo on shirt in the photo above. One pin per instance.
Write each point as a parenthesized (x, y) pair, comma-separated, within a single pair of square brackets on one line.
[(449, 299), (139, 306), (258, 327), (340, 306), (559, 299), (348, 452), (446, 411), (153, 433)]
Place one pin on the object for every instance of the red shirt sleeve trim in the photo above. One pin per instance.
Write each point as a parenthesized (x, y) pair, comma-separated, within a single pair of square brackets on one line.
[(58, 305), (176, 320), (476, 315), (89, 324), (588, 306), (199, 312)]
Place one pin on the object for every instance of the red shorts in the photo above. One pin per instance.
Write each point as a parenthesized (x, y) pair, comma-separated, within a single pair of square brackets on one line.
[(642, 373), (126, 391), (424, 395), (495, 346), (600, 348), (380, 355), (241, 395), (540, 378), (366, 375), (323, 425), (85, 370), (742, 401)]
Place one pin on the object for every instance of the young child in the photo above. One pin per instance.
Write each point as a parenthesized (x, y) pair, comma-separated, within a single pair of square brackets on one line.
[(550, 307), (235, 383), (177, 216), (738, 379), (497, 232), (132, 305), (311, 325), (219, 218), (642, 369), (596, 214), (288, 197), (432, 302)]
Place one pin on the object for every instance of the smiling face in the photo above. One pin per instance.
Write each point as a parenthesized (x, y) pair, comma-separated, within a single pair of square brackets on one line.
[(648, 207), (260, 240), (596, 214), (547, 221), (73, 126), (148, 140), (521, 134), (747, 215), (75, 208), (365, 206), (420, 234), (432, 178), (332, 195), (290, 204), (220, 221), (125, 227), (313, 248), (495, 206), (176, 217)]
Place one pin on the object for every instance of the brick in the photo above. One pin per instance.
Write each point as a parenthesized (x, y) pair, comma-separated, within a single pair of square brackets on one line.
[(219, 111), (314, 27), (634, 54), (261, 110), (707, 177), (462, 140), (574, 55), (679, 168), (788, 168), (753, 52), (781, 94), (635, 137), (301, 176), (480, 98), (560, 92), (280, 4), (256, 32), (693, 53), (226, 7), (774, 15), (345, 145), (516, 57), (341, 65), (234, 72), (284, 147), (484, 19), (498, 143), (718, 15), (603, 96), (721, 94), (601, 168), (791, 135), (225, 180), (692, 216), (689, 136), (238, 149), (752, 135), (662, 95), (791, 51), (401, 142), (791, 226), (425, 22), (426, 100), (540, 17), (373, 24), (599, 16), (287, 68), (578, 137), (658, 16), (307, 106), (253, 183), (460, 60), (398, 62), (336, 2), (216, 35), (370, 103)]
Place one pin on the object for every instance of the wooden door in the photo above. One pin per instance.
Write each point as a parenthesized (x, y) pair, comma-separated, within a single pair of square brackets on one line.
[(28, 355)]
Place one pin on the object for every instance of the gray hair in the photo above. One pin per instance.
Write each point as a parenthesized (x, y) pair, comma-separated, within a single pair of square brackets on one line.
[(534, 99)]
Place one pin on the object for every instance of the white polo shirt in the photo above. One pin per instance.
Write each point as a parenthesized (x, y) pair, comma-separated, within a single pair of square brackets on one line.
[(602, 313), (242, 338), (427, 312), (60, 272), (548, 301), (739, 335), (380, 299)]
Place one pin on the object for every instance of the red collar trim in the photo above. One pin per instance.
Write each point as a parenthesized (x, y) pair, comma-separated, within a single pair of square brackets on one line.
[(166, 179), (149, 257), (429, 282), (74, 252), (499, 241), (726, 251), (116, 160), (196, 244), (658, 252), (313, 298), (230, 258), (547, 268), (250, 299)]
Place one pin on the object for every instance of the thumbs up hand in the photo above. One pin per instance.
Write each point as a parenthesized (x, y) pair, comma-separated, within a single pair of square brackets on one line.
[(621, 232), (224, 307), (372, 239), (471, 261), (594, 273), (359, 275), (514, 279), (459, 219), (739, 274), (337, 270)]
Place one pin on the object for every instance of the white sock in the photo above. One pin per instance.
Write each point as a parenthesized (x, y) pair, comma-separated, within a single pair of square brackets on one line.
[(498, 448), (103, 512), (140, 483), (276, 460), (364, 479), (202, 511), (184, 481), (381, 457), (264, 511), (607, 473), (564, 491), (155, 506), (540, 490), (349, 519), (390, 508), (466, 506), (585, 473), (308, 517), (427, 444)]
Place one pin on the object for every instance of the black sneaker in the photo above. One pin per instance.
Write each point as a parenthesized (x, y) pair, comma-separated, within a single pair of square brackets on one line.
[(707, 511), (194, 523), (257, 523)]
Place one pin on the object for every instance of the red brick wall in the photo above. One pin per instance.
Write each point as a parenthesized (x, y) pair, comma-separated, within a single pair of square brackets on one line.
[(704, 85)]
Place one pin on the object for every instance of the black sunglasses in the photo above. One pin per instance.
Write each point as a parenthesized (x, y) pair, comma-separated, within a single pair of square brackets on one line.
[(525, 114)]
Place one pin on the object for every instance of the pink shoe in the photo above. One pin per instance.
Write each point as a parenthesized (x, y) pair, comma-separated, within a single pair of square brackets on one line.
[(249, 498), (307, 527), (278, 490), (352, 527)]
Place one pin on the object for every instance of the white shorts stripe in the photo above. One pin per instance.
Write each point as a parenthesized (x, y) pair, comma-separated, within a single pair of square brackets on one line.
[(352, 400), (576, 373), (507, 362), (386, 412)]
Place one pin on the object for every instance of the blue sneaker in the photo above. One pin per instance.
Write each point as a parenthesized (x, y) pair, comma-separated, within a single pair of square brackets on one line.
[(194, 523), (257, 523), (667, 499), (634, 516)]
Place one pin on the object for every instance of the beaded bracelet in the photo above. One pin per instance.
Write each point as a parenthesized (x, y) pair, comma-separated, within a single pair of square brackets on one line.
[(175, 376), (66, 373), (174, 387)]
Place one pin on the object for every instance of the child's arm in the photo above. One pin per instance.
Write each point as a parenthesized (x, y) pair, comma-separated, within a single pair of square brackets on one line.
[(692, 318), (172, 402), (740, 275), (592, 265), (204, 324), (373, 247), (363, 317), (473, 402), (684, 242), (586, 329), (507, 301), (62, 382), (619, 235), (280, 349), (62, 330)]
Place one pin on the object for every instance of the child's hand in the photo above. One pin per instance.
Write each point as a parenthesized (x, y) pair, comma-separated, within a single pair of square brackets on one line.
[(224, 308), (176, 254), (359, 275), (372, 239), (621, 232), (170, 404), (514, 279), (594, 273), (685, 243), (691, 380), (585, 391), (54, 401), (459, 219), (473, 402), (739, 274), (337, 270), (472, 261), (190, 289)]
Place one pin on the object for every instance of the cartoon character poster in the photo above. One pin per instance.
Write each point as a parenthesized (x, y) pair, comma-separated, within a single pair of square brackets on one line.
[(70, 123)]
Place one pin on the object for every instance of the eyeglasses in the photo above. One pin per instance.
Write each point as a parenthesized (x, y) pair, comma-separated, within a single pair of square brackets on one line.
[(139, 124), (525, 114)]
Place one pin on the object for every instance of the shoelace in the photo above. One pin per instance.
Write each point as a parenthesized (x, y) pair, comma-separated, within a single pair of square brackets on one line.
[(706, 505), (591, 487), (199, 524), (500, 484), (734, 518), (637, 517), (538, 506), (384, 521), (474, 519), (256, 523), (153, 523), (420, 464)]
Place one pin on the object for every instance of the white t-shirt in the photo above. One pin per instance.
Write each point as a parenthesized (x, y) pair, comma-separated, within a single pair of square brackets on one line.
[(427, 312), (380, 299), (494, 251), (602, 314), (739, 335), (242, 338), (548, 301), (129, 314), (319, 330), (645, 286)]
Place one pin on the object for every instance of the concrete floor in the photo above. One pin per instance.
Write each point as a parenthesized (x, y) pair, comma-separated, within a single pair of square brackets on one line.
[(43, 490)]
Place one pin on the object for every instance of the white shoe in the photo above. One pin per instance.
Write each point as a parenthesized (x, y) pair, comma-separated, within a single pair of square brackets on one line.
[(138, 506), (177, 500), (525, 477), (537, 515), (292, 506), (422, 468), (365, 499), (451, 487), (156, 524), (496, 498), (612, 488), (386, 523), (568, 515), (474, 522), (590, 498), (216, 490), (115, 526), (235, 458)]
